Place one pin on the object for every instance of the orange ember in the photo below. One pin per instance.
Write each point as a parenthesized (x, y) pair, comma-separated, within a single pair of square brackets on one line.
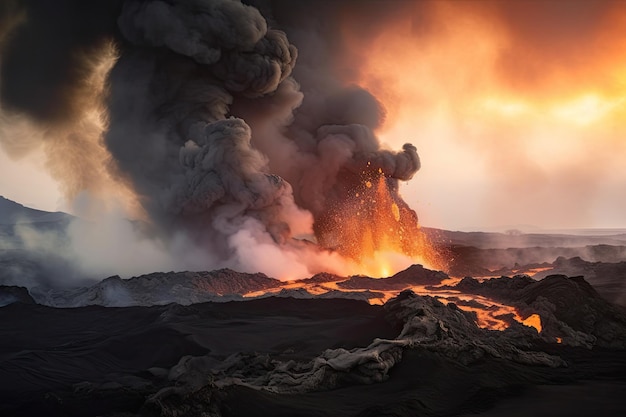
[(377, 229)]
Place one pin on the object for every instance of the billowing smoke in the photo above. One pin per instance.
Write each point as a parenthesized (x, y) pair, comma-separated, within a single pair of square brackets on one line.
[(198, 127)]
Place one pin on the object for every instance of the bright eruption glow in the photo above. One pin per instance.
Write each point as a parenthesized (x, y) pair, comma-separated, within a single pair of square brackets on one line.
[(210, 142), (225, 150), (158, 125), (379, 232)]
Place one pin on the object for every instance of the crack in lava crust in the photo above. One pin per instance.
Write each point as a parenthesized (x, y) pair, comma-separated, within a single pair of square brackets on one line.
[(487, 313)]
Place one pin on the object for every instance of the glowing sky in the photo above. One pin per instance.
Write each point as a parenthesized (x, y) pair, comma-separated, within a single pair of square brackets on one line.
[(518, 111)]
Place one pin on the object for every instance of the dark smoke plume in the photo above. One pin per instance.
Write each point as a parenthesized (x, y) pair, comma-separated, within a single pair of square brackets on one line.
[(205, 121), (46, 58)]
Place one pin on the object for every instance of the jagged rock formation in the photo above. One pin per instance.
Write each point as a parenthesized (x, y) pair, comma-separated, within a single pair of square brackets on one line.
[(321, 278), (208, 359), (413, 275), (570, 308), (160, 288), (608, 278), (109, 357), (225, 285), (508, 241), (303, 293), (427, 325), (519, 258), (13, 294)]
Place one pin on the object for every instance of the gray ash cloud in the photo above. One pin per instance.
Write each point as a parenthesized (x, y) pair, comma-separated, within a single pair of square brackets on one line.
[(210, 121)]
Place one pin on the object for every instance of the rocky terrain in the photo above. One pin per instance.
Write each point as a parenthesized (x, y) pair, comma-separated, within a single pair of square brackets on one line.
[(287, 356), (225, 343)]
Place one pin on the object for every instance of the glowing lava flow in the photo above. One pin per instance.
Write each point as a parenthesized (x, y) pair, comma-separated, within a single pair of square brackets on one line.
[(489, 314)]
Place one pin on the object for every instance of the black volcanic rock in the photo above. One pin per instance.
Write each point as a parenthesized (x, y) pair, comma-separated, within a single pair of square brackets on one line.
[(570, 308), (418, 275), (609, 279), (573, 301), (68, 362), (161, 288), (425, 324), (566, 293), (490, 240), (500, 288), (322, 277), (482, 262), (276, 357), (13, 294), (220, 285), (219, 282), (353, 295), (413, 275)]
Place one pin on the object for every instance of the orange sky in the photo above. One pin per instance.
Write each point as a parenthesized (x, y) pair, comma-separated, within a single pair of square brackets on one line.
[(517, 108)]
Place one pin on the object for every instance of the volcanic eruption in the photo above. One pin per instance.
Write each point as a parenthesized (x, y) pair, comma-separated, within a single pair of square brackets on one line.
[(186, 113), (239, 144)]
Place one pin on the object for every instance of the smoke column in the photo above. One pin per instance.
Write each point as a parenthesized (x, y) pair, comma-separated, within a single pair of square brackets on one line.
[(187, 111)]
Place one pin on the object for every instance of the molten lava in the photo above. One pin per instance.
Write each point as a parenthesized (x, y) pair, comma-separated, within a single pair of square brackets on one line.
[(377, 229), (534, 320), (488, 313)]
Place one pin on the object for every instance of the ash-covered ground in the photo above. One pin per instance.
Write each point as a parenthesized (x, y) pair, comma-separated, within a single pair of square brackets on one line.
[(421, 342)]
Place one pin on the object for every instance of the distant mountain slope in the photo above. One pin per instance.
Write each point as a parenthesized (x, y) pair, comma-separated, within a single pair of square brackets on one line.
[(21, 265), (513, 239), (13, 213)]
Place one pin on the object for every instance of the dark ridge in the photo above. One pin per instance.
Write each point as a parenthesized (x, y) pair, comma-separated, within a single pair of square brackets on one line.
[(608, 278), (323, 277), (12, 213), (13, 294), (516, 239), (219, 282), (413, 275)]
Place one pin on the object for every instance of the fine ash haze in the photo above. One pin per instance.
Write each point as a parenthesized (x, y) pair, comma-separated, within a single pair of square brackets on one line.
[(187, 117)]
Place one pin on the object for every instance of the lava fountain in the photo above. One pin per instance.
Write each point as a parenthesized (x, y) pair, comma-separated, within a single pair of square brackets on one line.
[(376, 228)]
